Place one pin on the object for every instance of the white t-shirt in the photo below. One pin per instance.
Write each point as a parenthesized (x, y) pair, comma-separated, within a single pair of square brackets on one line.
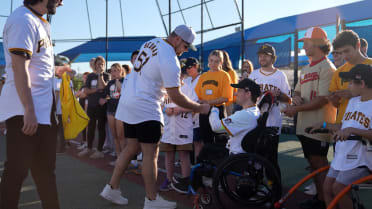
[(352, 154), (192, 83), (24, 31), (269, 82), (178, 129), (238, 125), (144, 90)]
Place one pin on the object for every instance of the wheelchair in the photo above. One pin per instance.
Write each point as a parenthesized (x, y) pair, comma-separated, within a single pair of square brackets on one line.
[(238, 180)]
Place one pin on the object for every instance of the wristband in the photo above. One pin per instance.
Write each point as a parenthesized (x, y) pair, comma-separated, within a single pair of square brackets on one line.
[(324, 125)]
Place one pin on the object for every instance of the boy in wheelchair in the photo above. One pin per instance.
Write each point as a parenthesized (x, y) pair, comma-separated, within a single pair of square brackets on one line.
[(353, 152), (246, 129)]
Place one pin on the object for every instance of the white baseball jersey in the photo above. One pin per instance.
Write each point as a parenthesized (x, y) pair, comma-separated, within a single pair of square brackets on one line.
[(352, 154), (268, 82), (238, 125), (26, 32), (178, 129), (192, 83), (158, 68)]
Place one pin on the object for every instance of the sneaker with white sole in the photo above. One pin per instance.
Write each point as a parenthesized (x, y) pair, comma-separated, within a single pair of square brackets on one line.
[(311, 189), (97, 154), (84, 152), (113, 195), (159, 203), (82, 146)]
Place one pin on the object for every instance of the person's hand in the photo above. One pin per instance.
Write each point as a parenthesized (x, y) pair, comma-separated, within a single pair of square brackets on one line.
[(334, 99), (275, 92), (344, 93), (29, 123), (177, 110), (102, 101), (342, 135), (204, 109), (169, 111), (203, 101), (289, 111), (297, 100)]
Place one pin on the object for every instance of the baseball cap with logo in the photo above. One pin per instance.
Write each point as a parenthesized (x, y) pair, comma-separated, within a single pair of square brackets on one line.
[(248, 85), (267, 49), (359, 72), (317, 35), (187, 34)]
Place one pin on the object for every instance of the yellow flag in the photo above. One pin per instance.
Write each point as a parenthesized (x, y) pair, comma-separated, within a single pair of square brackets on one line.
[(74, 118)]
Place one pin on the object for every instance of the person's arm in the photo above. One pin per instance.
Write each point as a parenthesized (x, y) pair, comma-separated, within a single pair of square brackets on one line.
[(101, 81), (118, 85), (88, 90), (215, 122), (23, 86), (181, 100)]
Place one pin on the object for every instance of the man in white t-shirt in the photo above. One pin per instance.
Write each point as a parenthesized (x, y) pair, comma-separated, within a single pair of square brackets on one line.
[(353, 152), (26, 104), (272, 79), (157, 70)]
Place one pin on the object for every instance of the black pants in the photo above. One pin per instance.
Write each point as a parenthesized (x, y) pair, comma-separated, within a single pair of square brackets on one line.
[(97, 114), (36, 153), (60, 136)]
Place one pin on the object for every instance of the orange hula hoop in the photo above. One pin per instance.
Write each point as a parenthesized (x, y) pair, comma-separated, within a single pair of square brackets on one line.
[(280, 202)]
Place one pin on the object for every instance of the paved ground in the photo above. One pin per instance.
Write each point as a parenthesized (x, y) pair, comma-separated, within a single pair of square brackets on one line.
[(81, 179)]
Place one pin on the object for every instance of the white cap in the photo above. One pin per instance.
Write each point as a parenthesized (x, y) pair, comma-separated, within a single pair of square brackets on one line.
[(187, 34)]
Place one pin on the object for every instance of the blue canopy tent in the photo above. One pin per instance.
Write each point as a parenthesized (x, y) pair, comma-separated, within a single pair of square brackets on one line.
[(287, 26), (119, 48)]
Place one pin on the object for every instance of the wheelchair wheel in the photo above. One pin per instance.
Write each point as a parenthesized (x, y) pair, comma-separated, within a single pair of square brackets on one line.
[(246, 180)]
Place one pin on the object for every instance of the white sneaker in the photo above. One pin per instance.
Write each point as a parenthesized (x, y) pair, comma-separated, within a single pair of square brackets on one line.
[(207, 181), (311, 189), (84, 152), (159, 203), (84, 145), (97, 154), (112, 163), (113, 195)]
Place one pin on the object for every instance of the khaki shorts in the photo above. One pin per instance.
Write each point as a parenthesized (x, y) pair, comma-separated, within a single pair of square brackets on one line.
[(166, 147)]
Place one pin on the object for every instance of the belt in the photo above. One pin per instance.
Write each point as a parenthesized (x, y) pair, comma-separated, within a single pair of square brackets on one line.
[(357, 138)]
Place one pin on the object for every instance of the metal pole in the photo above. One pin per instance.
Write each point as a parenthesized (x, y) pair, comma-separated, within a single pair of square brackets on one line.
[(242, 35), (170, 16), (162, 18), (107, 42), (295, 66), (201, 38), (11, 6), (122, 20)]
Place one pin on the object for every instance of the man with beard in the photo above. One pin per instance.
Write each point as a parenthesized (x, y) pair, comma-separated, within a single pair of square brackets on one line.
[(272, 79), (157, 70), (311, 104), (26, 104)]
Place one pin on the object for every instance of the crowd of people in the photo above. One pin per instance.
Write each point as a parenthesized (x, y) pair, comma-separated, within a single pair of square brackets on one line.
[(168, 105)]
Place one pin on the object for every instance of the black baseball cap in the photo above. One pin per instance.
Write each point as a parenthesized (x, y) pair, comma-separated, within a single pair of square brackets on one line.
[(267, 49), (248, 85), (60, 60), (358, 73)]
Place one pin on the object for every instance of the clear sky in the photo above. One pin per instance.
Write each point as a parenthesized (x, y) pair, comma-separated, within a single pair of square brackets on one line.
[(141, 17)]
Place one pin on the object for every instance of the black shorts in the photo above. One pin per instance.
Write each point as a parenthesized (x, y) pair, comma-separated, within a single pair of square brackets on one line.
[(145, 132), (313, 147)]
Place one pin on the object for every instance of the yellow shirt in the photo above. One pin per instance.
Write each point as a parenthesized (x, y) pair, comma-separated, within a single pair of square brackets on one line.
[(337, 84), (314, 81), (234, 79), (213, 85)]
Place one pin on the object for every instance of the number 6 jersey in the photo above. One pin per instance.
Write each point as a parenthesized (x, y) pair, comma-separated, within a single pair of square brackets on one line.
[(156, 68)]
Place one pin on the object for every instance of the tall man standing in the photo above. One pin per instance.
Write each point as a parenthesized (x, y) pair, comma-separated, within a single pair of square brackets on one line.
[(26, 104), (311, 104), (157, 70), (272, 79)]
